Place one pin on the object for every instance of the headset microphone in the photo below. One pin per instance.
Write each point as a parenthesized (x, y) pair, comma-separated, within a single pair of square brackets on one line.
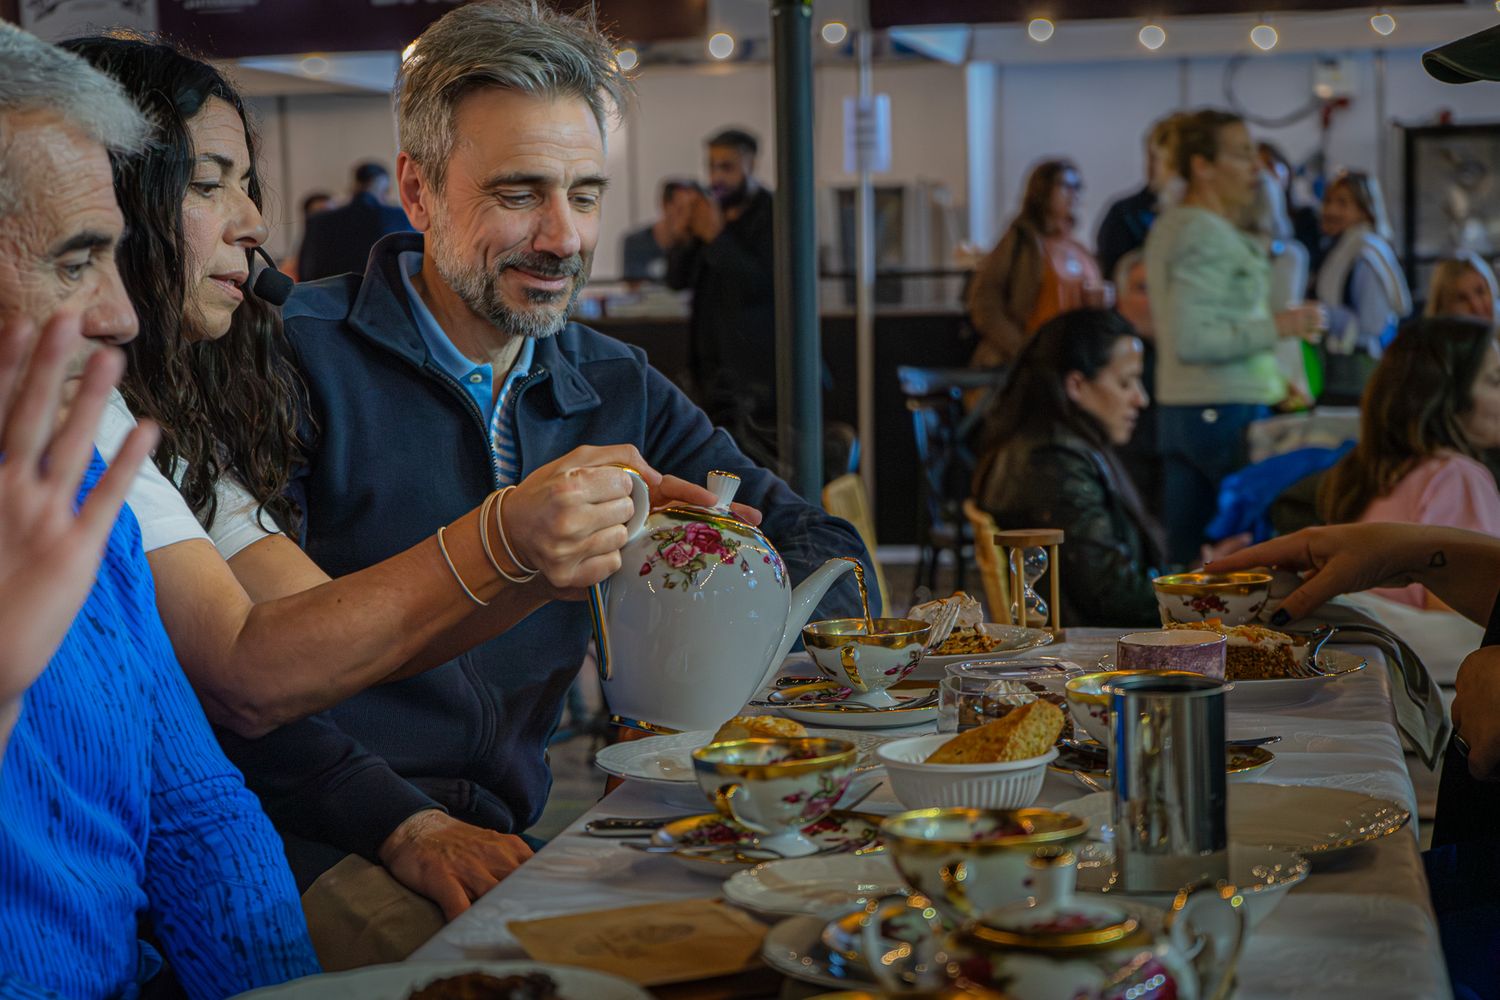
[(271, 285)]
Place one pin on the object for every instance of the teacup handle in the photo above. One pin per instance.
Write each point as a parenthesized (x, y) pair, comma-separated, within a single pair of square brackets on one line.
[(724, 803), (916, 913), (1205, 915)]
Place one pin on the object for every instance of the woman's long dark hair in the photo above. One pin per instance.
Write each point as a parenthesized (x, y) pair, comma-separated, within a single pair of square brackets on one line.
[(1036, 200), (1413, 407), (1034, 406), (226, 405)]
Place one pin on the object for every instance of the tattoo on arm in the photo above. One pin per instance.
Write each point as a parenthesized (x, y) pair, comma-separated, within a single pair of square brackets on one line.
[(1438, 560)]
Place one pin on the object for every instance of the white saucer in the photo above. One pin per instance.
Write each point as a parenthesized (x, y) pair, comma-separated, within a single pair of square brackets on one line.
[(820, 887), (1255, 695), (1014, 640)]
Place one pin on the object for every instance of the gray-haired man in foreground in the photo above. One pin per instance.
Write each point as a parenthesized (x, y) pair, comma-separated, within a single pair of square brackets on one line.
[(120, 812)]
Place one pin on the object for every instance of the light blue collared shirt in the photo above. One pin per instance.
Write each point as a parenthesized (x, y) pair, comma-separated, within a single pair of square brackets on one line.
[(479, 380)]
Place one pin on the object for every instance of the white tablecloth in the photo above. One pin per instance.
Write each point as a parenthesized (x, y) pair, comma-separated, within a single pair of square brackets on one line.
[(1358, 928)]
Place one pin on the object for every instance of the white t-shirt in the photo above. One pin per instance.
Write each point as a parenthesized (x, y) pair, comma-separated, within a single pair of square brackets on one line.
[(164, 515)]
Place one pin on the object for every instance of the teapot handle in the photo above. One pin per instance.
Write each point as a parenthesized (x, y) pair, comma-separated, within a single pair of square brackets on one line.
[(640, 495), (910, 914), (1207, 927)]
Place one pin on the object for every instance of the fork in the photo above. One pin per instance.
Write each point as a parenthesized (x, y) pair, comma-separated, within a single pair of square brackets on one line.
[(942, 627)]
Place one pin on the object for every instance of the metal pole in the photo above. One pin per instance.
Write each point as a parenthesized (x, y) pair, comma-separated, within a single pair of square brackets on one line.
[(799, 357), (864, 285)]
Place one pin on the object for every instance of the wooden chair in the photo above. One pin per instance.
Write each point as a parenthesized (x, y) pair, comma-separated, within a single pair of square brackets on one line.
[(991, 561), (846, 497)]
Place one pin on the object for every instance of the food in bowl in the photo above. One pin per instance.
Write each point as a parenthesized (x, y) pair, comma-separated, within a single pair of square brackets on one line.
[(1026, 731), (744, 727), (1233, 598), (1252, 652), (481, 986)]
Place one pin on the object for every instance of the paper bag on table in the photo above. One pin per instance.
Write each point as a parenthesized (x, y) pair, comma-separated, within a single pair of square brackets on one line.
[(651, 945)]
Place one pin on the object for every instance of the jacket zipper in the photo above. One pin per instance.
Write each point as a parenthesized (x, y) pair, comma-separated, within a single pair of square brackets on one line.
[(473, 408)]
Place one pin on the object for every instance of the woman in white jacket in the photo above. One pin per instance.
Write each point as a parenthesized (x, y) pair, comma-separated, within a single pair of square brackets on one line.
[(1360, 282)]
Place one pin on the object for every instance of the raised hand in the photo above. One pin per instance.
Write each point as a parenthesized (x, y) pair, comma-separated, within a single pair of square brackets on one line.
[(49, 556)]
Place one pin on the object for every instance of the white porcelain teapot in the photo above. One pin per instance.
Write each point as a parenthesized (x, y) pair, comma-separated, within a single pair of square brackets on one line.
[(700, 615)]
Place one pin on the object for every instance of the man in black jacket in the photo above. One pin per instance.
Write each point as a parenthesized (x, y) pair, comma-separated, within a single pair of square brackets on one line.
[(727, 262), (338, 241)]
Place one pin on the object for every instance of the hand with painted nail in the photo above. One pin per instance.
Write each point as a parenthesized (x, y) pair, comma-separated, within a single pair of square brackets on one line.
[(1461, 568)]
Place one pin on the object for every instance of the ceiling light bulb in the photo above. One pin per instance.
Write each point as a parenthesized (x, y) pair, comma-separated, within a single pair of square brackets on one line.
[(721, 45), (1040, 29), (1383, 23), (314, 65), (835, 32), (1153, 36), (627, 59), (1264, 37)]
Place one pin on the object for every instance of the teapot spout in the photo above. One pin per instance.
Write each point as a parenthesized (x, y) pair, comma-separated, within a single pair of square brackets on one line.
[(804, 599)]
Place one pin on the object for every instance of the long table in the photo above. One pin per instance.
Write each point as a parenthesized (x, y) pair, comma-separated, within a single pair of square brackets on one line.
[(1360, 927)]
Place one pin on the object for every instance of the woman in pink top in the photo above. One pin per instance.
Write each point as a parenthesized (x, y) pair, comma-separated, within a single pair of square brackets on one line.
[(1430, 409)]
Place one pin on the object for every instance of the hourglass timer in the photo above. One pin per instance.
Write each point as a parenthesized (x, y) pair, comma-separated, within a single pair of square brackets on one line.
[(1031, 554)]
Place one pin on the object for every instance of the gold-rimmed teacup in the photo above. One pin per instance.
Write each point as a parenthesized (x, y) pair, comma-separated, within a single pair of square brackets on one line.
[(775, 787), (866, 662), (1232, 598), (969, 861), (1090, 703)]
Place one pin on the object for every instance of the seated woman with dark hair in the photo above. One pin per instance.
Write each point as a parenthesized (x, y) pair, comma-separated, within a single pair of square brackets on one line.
[(1049, 462), (1429, 412)]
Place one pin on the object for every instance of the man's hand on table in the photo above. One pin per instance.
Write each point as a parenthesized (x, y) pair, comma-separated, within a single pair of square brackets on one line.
[(449, 861), (1476, 711)]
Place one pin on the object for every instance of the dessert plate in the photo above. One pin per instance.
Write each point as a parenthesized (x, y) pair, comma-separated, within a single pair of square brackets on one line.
[(396, 982), (1261, 874), (1254, 695), (1311, 820), (1013, 639), (816, 886), (1245, 764)]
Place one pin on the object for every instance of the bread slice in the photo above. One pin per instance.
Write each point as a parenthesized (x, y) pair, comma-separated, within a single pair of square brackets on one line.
[(743, 727), (1026, 731)]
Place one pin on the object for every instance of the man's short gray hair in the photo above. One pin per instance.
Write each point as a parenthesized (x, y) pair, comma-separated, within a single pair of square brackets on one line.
[(42, 78), (521, 45)]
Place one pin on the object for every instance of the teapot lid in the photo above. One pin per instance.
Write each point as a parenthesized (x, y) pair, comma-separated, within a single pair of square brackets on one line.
[(1074, 924), (723, 485)]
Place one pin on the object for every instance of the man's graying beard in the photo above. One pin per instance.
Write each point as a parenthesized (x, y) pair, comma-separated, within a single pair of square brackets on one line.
[(480, 289)]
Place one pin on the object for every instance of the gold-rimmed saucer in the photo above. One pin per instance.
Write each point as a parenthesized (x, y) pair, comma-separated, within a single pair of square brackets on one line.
[(1240, 764), (826, 704)]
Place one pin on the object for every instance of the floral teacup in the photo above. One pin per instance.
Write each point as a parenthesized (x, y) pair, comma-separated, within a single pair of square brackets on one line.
[(970, 861), (1232, 598), (866, 662), (1091, 703), (775, 787)]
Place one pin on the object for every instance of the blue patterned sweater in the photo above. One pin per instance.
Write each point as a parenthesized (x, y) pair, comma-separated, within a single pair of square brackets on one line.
[(117, 808)]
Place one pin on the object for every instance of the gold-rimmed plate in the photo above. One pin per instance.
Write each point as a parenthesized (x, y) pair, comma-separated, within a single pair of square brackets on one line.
[(713, 845), (828, 705), (1240, 764)]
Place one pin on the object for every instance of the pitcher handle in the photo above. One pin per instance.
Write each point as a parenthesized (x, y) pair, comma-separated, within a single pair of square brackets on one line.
[(908, 913), (1205, 915)]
